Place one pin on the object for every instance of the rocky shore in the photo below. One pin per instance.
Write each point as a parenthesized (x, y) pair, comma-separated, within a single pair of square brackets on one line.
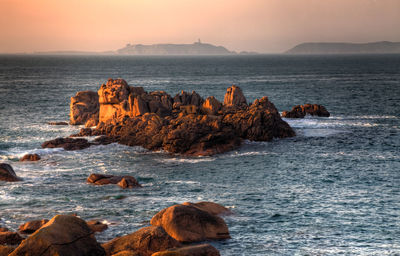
[(185, 124), (171, 232)]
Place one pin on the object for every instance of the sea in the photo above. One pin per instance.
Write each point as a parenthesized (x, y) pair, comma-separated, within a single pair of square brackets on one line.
[(333, 189)]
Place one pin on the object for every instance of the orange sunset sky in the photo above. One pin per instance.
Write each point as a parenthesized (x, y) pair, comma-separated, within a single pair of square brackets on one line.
[(267, 26)]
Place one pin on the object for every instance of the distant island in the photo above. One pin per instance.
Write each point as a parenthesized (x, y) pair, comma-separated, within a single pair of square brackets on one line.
[(346, 48), (197, 48)]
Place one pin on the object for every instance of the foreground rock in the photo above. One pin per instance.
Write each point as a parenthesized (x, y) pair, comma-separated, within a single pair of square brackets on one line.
[(31, 226), (185, 124), (7, 173), (62, 235), (84, 108), (10, 238), (30, 157), (194, 250), (187, 223), (6, 250), (67, 143), (143, 242), (300, 111), (210, 207), (122, 181)]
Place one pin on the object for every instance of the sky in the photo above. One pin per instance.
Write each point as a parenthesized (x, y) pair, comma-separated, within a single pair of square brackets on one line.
[(265, 26)]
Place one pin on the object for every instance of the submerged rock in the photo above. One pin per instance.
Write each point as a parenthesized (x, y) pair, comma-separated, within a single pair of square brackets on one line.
[(300, 111), (185, 124), (187, 223), (62, 235), (67, 143), (30, 157), (7, 173), (192, 250), (143, 242), (57, 123), (96, 225), (122, 181)]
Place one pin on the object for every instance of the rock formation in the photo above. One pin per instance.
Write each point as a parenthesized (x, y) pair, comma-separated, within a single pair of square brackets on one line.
[(234, 97), (31, 226), (185, 124), (30, 157), (192, 250), (122, 181), (300, 111), (84, 107), (10, 238), (62, 235), (143, 242), (7, 173), (67, 143), (187, 223)]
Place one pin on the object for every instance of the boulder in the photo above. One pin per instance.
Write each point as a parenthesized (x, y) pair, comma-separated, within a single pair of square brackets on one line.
[(7, 173), (67, 143), (210, 207), (234, 97), (3, 229), (122, 181), (144, 242), (211, 106), (192, 250), (10, 238), (31, 226), (96, 225), (187, 223), (84, 106), (300, 111), (62, 235), (30, 157)]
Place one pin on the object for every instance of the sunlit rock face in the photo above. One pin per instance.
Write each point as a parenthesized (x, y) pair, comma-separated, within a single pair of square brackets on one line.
[(185, 124)]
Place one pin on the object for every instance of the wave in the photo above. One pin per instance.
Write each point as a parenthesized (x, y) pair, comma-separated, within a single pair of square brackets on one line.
[(186, 160)]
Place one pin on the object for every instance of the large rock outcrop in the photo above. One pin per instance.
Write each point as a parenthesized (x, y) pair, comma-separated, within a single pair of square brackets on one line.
[(187, 223), (62, 235), (7, 173), (185, 124), (300, 111), (84, 108), (143, 242)]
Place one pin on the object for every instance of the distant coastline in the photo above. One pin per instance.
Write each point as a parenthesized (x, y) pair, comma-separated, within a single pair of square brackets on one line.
[(383, 47)]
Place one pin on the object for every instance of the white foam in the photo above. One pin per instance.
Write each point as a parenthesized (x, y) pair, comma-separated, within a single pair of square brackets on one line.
[(186, 160)]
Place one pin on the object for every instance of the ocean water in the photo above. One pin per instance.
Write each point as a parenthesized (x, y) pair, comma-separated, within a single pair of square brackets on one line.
[(334, 189)]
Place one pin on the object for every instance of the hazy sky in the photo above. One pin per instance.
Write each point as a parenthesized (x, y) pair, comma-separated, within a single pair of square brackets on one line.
[(254, 25)]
